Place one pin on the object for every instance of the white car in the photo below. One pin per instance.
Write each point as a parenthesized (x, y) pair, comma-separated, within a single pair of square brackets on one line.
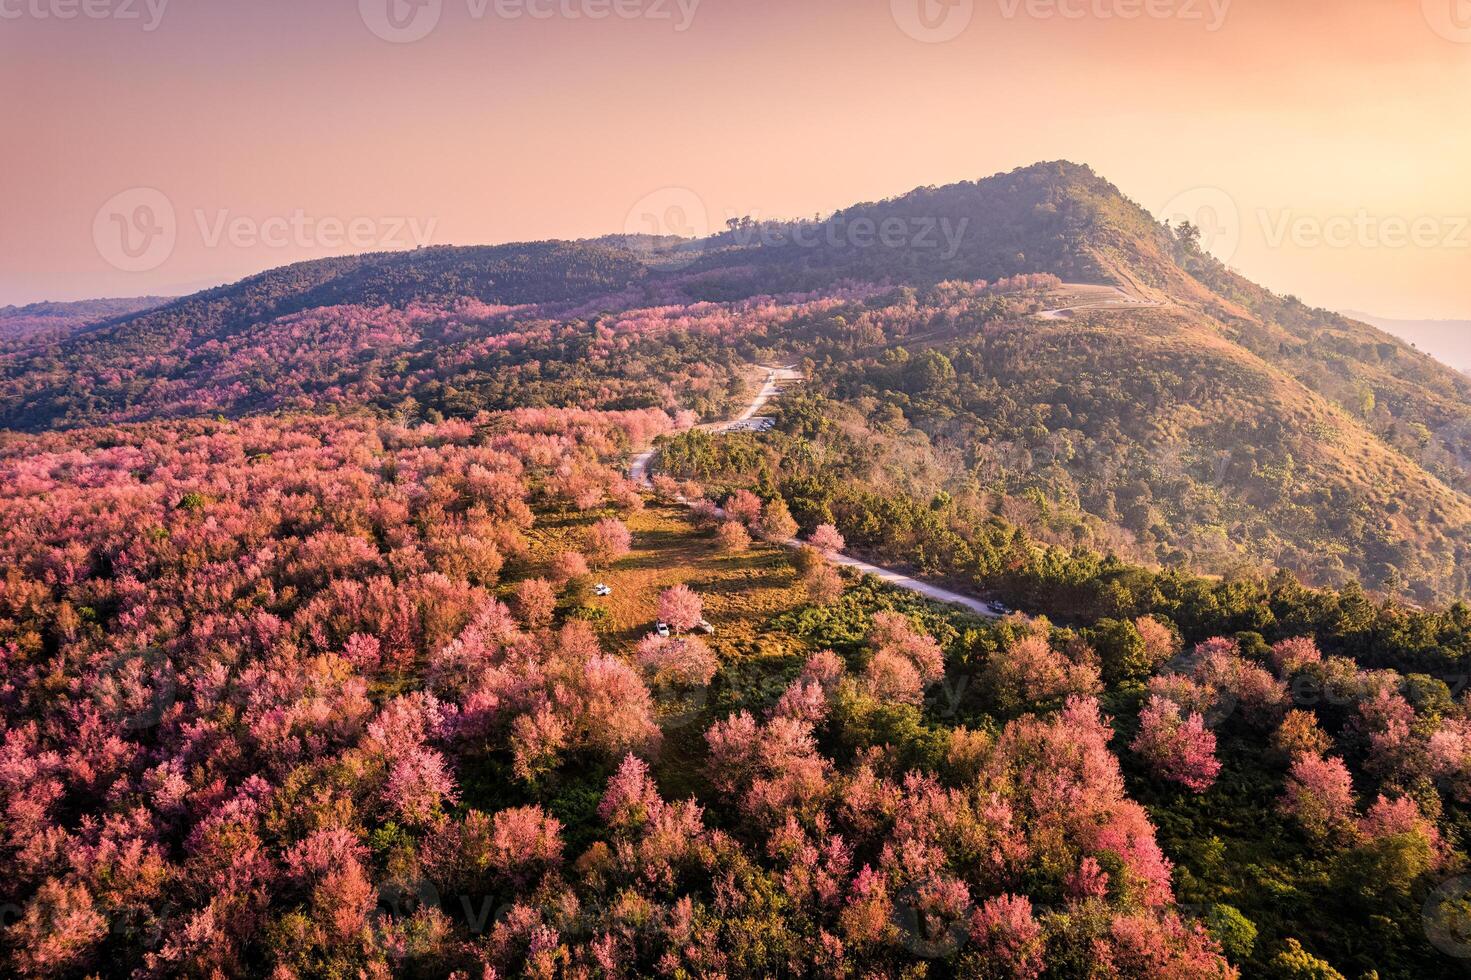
[(662, 629), (705, 627), (601, 590)]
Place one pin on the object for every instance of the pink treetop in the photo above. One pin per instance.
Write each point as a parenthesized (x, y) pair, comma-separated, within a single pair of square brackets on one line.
[(744, 506), (608, 541), (567, 566), (1005, 929), (535, 601), (523, 841), (733, 537), (1291, 656), (1392, 818), (681, 608), (681, 660), (1180, 751), (1319, 795), (892, 632), (827, 540)]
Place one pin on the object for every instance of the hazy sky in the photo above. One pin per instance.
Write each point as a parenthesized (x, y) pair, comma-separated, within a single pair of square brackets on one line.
[(167, 147)]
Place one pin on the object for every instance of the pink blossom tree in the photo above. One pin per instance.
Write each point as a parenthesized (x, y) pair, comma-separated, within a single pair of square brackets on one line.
[(1182, 751), (1319, 796), (733, 537), (567, 566), (681, 608), (826, 539), (535, 601), (744, 506), (682, 660), (608, 541)]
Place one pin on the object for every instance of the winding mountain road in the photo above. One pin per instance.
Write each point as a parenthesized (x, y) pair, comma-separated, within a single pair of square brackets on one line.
[(1094, 297), (776, 379)]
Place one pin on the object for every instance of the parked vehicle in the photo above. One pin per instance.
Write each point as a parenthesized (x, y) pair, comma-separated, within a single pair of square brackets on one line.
[(662, 629), (704, 627)]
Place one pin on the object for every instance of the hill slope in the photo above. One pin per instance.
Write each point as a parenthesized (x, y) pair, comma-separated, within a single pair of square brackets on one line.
[(1227, 426)]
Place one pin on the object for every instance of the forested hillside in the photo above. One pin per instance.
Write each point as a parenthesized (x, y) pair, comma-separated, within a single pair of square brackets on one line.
[(336, 639)]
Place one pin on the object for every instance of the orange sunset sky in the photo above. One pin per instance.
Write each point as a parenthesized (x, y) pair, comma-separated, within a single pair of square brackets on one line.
[(1278, 117)]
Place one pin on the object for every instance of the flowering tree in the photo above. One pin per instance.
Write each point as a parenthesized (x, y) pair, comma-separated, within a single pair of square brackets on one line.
[(535, 601), (683, 660), (827, 540), (608, 540), (1319, 796), (681, 608), (733, 537), (567, 566), (1182, 751), (744, 506)]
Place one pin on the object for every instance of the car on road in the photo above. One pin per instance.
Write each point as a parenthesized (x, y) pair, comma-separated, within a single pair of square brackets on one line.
[(601, 590), (662, 629)]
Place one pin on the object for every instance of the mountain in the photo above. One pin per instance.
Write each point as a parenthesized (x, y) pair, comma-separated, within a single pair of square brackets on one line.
[(48, 322), (1215, 425), (1445, 340)]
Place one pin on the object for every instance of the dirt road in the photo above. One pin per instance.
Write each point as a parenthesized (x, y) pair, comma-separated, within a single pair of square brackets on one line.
[(776, 378)]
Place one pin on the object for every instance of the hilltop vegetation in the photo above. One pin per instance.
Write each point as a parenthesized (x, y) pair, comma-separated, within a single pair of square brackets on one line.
[(305, 670)]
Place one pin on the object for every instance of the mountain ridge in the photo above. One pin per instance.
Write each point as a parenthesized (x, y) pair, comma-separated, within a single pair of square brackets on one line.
[(1227, 412)]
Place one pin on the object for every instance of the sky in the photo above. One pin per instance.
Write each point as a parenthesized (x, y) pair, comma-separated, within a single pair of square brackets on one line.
[(162, 146)]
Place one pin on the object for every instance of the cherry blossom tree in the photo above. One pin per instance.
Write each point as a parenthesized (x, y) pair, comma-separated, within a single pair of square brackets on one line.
[(683, 660), (745, 507), (681, 608), (827, 540), (1180, 750), (535, 601), (568, 566), (1319, 796), (608, 541), (733, 537)]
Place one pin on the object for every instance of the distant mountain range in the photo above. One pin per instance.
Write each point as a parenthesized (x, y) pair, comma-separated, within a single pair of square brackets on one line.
[(1223, 425), (1445, 340), (52, 321)]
